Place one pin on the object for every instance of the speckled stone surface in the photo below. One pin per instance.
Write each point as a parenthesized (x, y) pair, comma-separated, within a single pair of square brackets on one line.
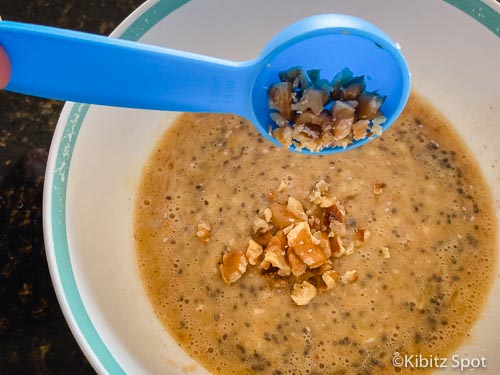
[(34, 337)]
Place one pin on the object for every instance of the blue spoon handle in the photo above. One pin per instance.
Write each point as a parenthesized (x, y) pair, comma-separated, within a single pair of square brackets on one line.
[(69, 65)]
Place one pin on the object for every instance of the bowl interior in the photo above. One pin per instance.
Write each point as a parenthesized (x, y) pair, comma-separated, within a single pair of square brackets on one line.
[(98, 154)]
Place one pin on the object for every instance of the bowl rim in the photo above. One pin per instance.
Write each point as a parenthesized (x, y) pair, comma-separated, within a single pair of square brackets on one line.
[(70, 121), (68, 126)]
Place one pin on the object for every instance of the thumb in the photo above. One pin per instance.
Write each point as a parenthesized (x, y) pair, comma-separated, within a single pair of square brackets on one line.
[(5, 68)]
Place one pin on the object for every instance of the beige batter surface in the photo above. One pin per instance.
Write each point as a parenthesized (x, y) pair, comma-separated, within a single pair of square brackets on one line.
[(435, 215)]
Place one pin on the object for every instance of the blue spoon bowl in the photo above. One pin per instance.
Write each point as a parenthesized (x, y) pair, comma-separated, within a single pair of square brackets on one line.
[(80, 67)]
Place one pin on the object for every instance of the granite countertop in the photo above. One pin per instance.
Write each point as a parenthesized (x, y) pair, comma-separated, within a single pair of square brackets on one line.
[(34, 337)]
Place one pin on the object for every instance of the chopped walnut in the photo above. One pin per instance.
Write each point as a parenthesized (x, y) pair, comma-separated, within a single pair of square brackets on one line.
[(296, 208), (301, 241), (260, 225), (280, 98), (343, 119), (306, 136), (369, 105), (334, 213), (377, 129), (359, 129), (234, 265), (279, 119), (378, 121), (320, 197), (327, 139), (324, 119), (254, 251), (303, 293), (384, 250), (330, 279), (292, 244), (311, 99), (300, 108), (322, 186), (283, 135), (337, 228), (274, 254), (203, 231), (337, 246), (282, 187), (287, 229), (324, 243), (281, 216), (268, 215), (361, 236), (314, 222), (349, 277), (297, 267), (324, 200)]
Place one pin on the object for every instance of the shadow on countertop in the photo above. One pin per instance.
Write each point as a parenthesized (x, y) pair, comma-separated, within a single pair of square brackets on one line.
[(34, 337)]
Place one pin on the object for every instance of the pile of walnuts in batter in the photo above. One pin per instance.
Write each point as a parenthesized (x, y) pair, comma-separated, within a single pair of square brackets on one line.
[(299, 246)]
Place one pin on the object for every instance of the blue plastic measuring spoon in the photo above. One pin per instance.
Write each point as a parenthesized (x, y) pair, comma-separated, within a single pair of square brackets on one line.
[(80, 67)]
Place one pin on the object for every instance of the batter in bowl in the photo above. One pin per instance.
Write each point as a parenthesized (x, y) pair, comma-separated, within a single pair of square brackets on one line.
[(417, 190)]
